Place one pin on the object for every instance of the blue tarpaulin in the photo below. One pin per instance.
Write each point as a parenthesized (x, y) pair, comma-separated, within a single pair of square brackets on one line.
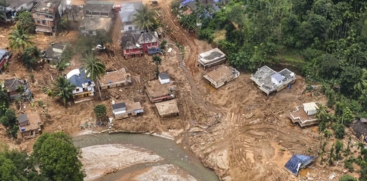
[(152, 51), (298, 162)]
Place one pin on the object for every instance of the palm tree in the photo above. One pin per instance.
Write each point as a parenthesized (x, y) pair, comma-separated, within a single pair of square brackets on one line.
[(144, 18), (63, 89), (362, 83), (18, 38), (94, 68), (322, 114), (31, 55)]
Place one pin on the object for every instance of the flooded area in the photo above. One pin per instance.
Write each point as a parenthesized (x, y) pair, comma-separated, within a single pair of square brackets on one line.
[(171, 153)]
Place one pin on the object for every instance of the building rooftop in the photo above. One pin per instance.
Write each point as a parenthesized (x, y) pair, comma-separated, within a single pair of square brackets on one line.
[(34, 121), (155, 89), (96, 23), (128, 10), (277, 77), (220, 72), (55, 50), (77, 77), (22, 118), (118, 105), (167, 107), (133, 106), (115, 76), (98, 6), (13, 83), (163, 76), (17, 3), (131, 40), (310, 106), (44, 5), (211, 55)]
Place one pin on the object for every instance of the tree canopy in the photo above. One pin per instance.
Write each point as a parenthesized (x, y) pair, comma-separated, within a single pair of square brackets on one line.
[(18, 38), (63, 89)]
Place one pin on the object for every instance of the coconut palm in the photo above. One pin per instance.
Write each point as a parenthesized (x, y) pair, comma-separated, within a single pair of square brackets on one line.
[(94, 68), (322, 114), (144, 18), (18, 38), (362, 82), (63, 89)]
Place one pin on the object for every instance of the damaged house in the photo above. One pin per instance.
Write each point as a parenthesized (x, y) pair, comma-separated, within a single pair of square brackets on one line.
[(270, 81), (221, 75), (46, 15), (136, 44), (17, 89), (53, 53), (123, 110), (305, 115), (115, 79), (211, 58), (127, 13), (84, 90), (98, 15), (167, 108), (158, 92), (30, 124), (10, 11)]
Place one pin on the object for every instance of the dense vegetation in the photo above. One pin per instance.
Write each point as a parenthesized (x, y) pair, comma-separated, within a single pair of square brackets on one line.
[(325, 40), (54, 158)]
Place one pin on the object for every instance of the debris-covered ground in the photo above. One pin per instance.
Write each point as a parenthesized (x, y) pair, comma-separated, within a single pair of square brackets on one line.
[(236, 130)]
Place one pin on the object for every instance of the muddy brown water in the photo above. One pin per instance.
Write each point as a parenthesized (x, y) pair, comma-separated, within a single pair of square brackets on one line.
[(167, 149)]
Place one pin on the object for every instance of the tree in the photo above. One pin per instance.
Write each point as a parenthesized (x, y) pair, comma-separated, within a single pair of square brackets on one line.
[(339, 131), (347, 178), (31, 55), (338, 147), (57, 157), (322, 114), (156, 59), (144, 18), (4, 100), (9, 120), (347, 117), (94, 68), (25, 20), (63, 89), (18, 38), (100, 111)]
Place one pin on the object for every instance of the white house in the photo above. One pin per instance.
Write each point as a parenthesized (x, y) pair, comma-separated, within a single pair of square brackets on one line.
[(310, 108), (84, 86), (163, 78), (277, 79)]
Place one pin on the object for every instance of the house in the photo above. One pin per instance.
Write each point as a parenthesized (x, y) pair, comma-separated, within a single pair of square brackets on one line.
[(270, 81), (98, 15), (298, 162), (221, 75), (127, 15), (115, 79), (135, 44), (17, 88), (46, 15), (30, 124), (191, 6), (84, 90), (167, 108), (163, 78), (305, 115), (123, 110), (211, 58), (53, 53), (158, 92), (15, 6)]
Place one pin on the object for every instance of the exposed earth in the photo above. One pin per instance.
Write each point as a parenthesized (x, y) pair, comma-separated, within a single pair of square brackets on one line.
[(235, 130)]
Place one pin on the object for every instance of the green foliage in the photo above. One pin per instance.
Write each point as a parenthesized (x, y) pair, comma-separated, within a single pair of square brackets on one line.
[(63, 89), (31, 55), (163, 44), (57, 157), (25, 20), (94, 67), (18, 38), (65, 58), (85, 43), (101, 112), (347, 178), (156, 59), (9, 121), (339, 130), (338, 148), (145, 19)]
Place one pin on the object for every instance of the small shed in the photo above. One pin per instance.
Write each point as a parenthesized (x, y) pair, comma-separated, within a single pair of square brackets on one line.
[(277, 79), (310, 108), (167, 108), (123, 109), (163, 78), (119, 109), (298, 162)]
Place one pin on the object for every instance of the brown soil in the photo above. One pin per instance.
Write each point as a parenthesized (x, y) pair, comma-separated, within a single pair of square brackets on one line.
[(236, 130)]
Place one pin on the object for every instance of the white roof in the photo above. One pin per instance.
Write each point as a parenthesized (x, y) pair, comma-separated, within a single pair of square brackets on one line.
[(211, 55), (73, 72), (310, 106)]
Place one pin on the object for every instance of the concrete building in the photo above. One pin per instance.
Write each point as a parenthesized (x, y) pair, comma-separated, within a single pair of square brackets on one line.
[(123, 110), (30, 124), (84, 90), (167, 108), (163, 78), (98, 15), (46, 15), (13, 7), (18, 88), (211, 58), (115, 79), (135, 44), (305, 115), (53, 53), (158, 92), (270, 81), (127, 13), (221, 75)]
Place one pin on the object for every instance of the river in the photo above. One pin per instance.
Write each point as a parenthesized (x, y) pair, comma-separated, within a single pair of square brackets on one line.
[(167, 149)]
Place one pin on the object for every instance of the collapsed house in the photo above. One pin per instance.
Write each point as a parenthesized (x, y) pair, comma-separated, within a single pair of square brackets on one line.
[(270, 81), (18, 89), (167, 108), (298, 162), (10, 11), (211, 6), (305, 115), (97, 16), (123, 110), (128, 10), (211, 58), (158, 92), (115, 79), (30, 124), (84, 90), (53, 53), (221, 75), (46, 15)]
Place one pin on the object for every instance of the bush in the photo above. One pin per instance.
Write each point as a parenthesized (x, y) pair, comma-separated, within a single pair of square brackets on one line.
[(101, 112), (339, 131), (347, 178), (163, 44)]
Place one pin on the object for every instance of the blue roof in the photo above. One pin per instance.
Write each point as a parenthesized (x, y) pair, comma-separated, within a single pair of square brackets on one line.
[(297, 162), (277, 77), (78, 80)]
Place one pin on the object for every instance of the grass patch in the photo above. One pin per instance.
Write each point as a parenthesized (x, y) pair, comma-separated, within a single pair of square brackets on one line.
[(219, 35)]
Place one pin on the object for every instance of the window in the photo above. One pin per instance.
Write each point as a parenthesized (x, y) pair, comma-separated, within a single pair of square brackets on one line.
[(44, 22), (38, 22), (77, 89), (130, 28)]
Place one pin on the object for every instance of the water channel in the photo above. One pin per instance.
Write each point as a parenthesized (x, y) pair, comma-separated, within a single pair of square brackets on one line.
[(167, 149)]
